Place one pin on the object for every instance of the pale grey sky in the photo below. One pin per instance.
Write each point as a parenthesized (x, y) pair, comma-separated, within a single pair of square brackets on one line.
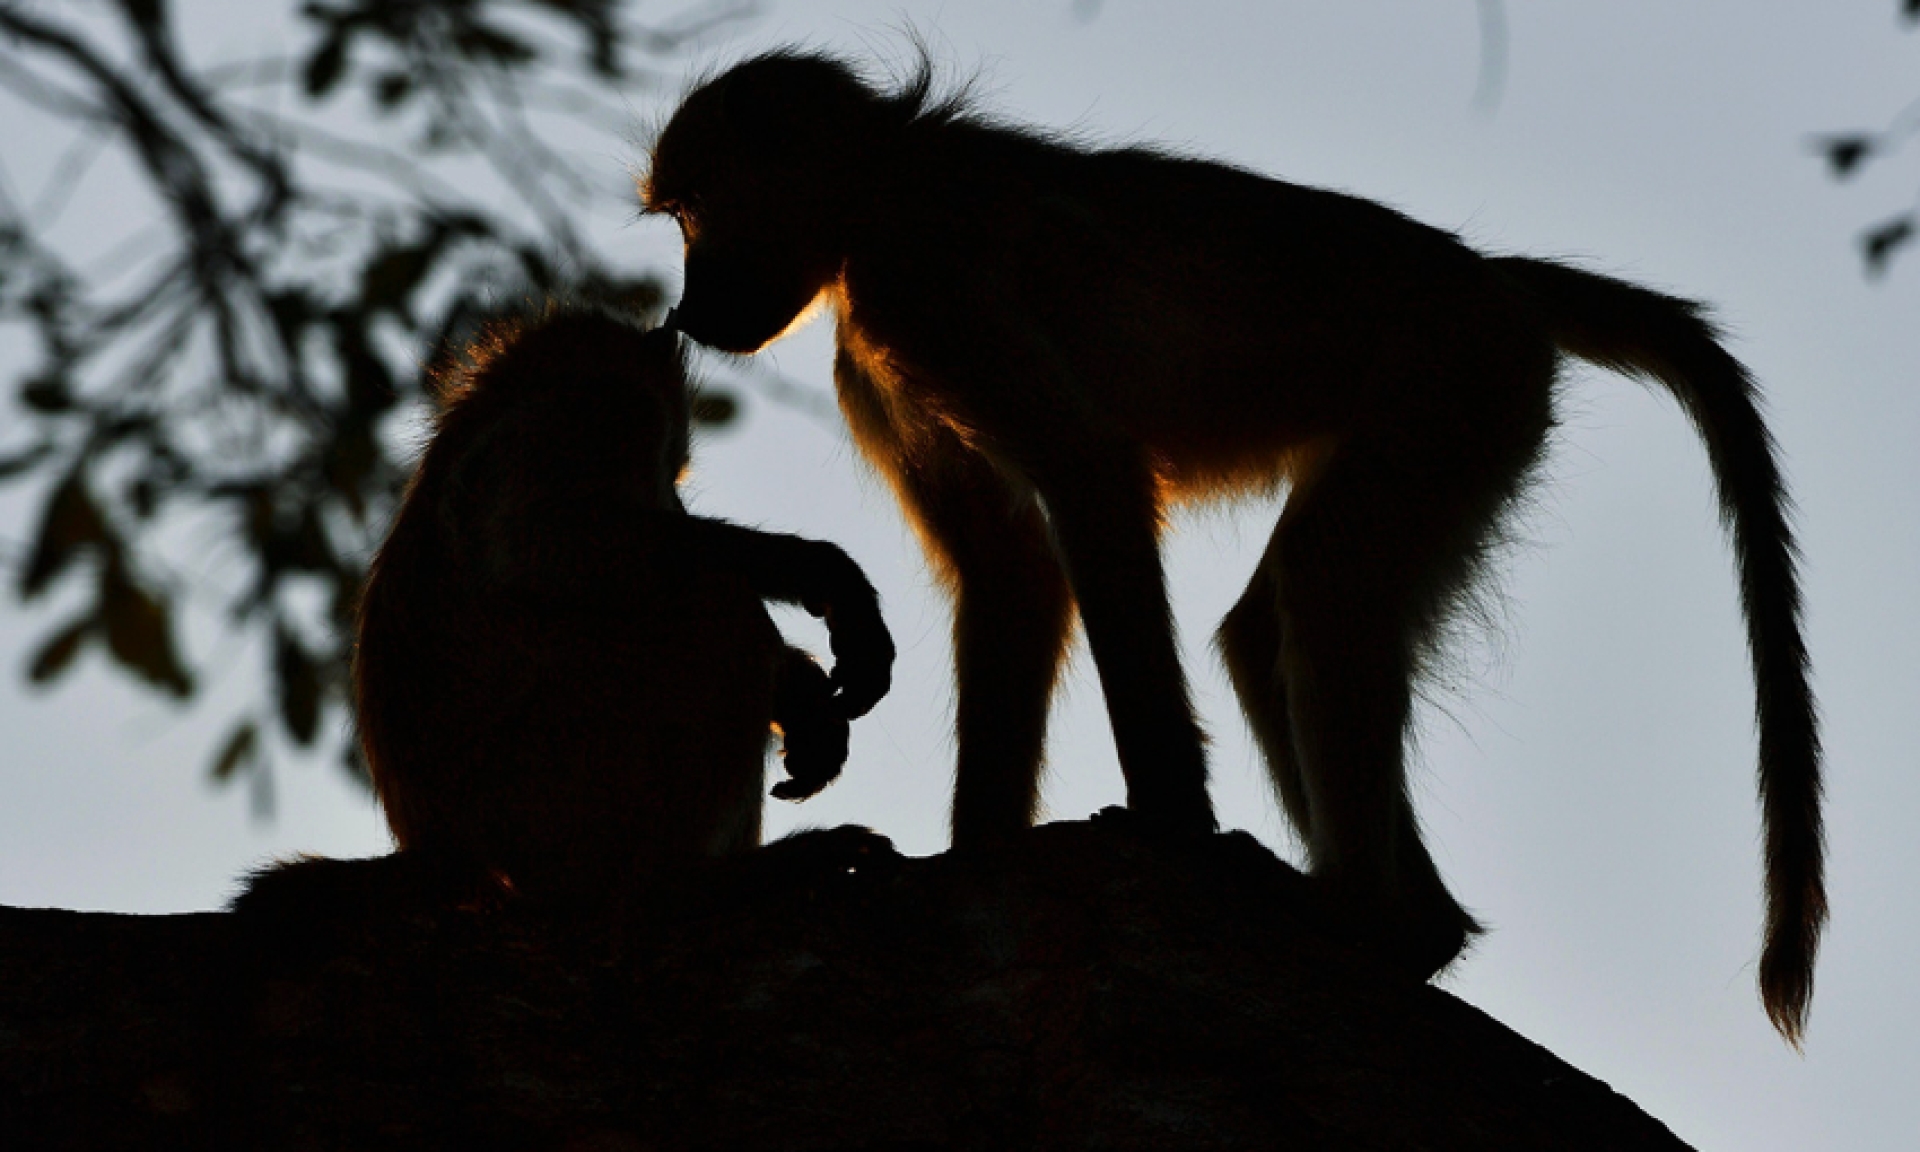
[(1590, 793)]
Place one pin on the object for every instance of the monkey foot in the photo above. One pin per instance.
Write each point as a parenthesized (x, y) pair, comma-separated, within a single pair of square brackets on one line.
[(1423, 952), (1417, 940)]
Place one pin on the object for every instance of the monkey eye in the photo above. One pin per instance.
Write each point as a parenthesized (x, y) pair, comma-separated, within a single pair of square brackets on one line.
[(655, 205), (683, 216)]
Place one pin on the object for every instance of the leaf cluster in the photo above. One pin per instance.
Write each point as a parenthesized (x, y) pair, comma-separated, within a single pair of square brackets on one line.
[(213, 413), (1849, 153)]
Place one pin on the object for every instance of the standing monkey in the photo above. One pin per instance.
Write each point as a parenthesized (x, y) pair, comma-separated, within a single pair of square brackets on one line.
[(1041, 345), (562, 679)]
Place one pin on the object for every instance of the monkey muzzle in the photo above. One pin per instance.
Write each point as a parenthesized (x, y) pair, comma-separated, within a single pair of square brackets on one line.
[(739, 302)]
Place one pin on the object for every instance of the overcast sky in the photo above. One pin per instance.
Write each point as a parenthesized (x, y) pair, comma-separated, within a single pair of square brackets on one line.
[(1590, 791)]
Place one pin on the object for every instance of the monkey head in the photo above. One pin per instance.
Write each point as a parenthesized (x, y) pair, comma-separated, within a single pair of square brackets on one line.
[(590, 388), (763, 167)]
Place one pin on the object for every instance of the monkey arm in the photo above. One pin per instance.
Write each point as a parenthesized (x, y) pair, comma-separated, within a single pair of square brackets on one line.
[(604, 549), (825, 581)]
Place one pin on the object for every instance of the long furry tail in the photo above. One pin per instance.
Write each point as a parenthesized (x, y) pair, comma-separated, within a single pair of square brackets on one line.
[(313, 895), (1650, 335)]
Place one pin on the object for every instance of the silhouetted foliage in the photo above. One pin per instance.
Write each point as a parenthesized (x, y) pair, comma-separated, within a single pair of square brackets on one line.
[(242, 367), (1847, 153)]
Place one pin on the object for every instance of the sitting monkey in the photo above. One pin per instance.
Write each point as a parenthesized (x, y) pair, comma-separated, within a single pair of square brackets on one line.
[(562, 679), (1043, 344)]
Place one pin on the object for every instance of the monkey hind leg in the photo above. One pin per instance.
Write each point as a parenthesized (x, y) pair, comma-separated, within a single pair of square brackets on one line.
[(320, 888), (1249, 645), (1375, 549), (1404, 907)]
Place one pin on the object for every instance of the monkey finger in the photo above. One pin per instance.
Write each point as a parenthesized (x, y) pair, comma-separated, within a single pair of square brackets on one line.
[(814, 767), (813, 755), (794, 791), (862, 666), (807, 783), (856, 691), (848, 848)]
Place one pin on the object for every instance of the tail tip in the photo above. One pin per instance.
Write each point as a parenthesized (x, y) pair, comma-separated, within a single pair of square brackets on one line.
[(1786, 990)]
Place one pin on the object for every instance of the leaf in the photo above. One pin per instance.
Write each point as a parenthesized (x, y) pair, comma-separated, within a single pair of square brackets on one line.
[(465, 224), (392, 275), (21, 462), (299, 680), (349, 460), (146, 13), (1879, 244), (293, 311), (144, 497), (47, 394), (327, 64), (715, 409), (258, 519), (140, 631), (343, 608), (489, 44), (370, 389), (58, 652), (302, 546), (354, 759), (70, 522), (391, 89), (539, 271), (240, 752), (604, 57), (1845, 153)]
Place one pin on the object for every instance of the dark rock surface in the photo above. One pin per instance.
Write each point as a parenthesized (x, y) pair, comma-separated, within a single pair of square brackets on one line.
[(1083, 989)]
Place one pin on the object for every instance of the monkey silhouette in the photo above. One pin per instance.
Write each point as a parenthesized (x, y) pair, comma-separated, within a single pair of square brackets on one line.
[(562, 679), (1043, 345)]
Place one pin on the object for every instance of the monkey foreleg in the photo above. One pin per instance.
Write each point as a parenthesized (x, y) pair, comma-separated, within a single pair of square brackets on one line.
[(1012, 617), (1009, 636), (827, 583), (1104, 524)]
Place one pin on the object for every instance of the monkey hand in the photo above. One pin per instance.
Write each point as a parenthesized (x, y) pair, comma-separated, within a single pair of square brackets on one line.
[(801, 867), (862, 661), (862, 647), (849, 848), (815, 747)]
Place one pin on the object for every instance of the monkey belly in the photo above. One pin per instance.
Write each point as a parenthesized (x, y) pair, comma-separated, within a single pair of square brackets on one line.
[(1193, 448), (605, 745)]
